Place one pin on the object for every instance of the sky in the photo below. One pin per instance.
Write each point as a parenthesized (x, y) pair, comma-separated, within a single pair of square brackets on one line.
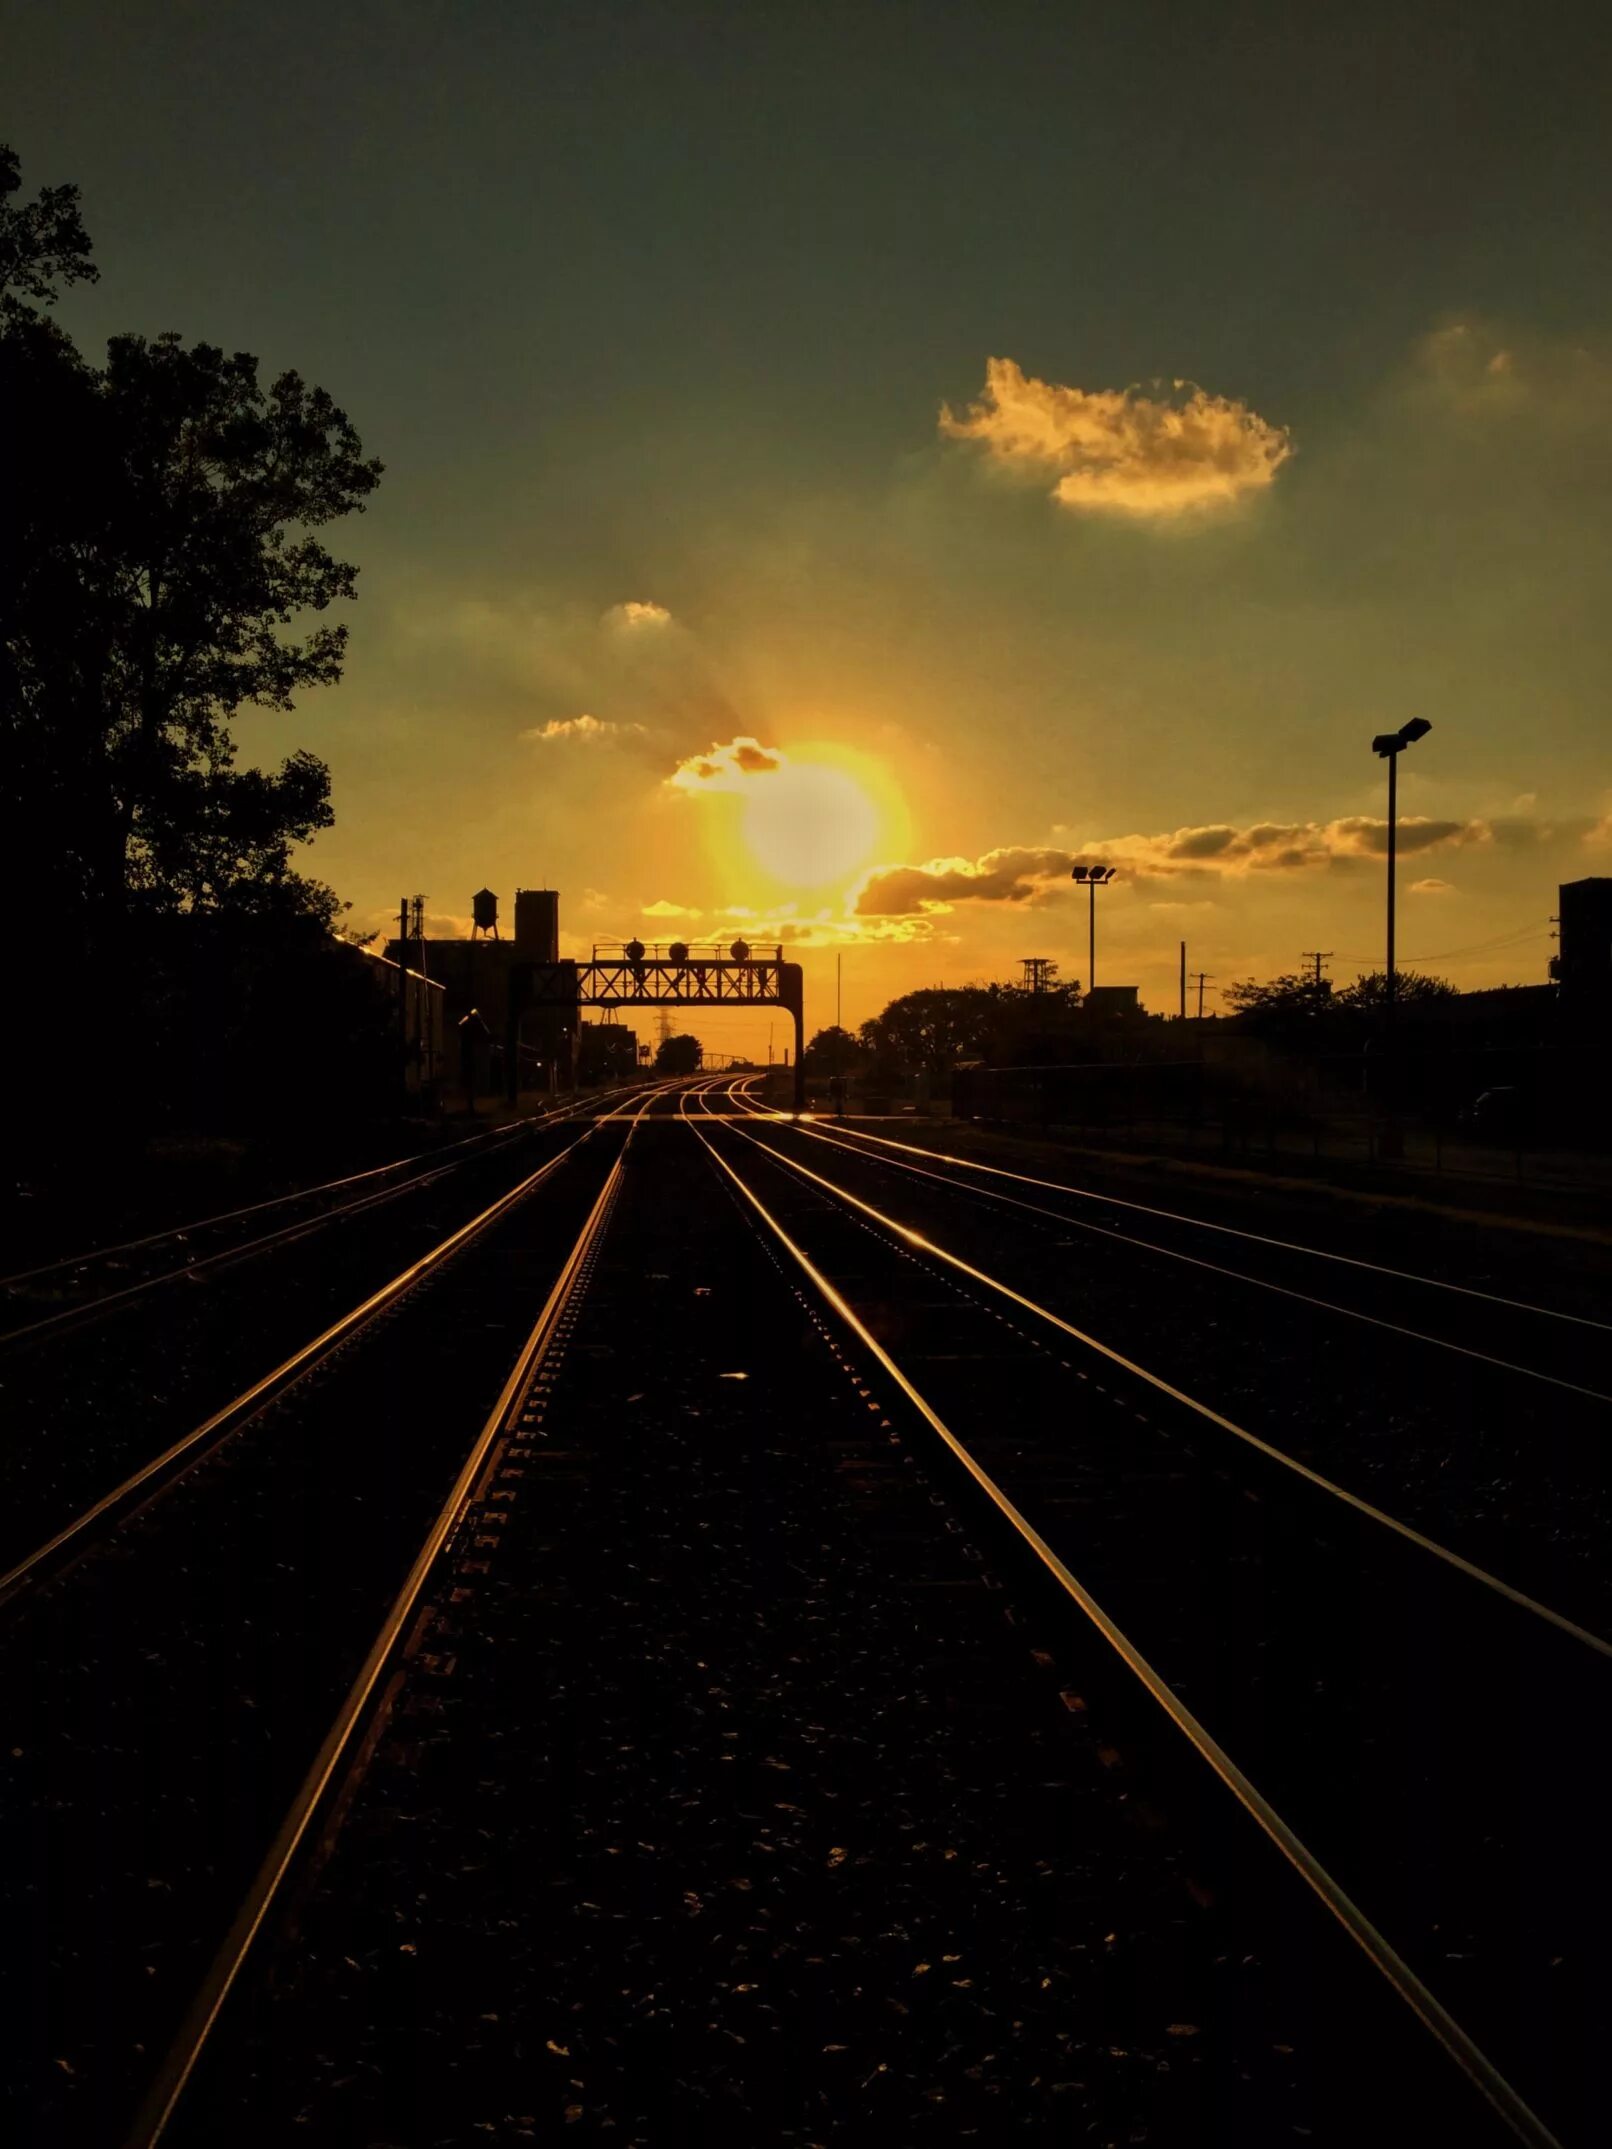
[(847, 464)]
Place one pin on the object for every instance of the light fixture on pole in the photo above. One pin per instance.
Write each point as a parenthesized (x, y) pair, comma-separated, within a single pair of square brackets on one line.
[(1092, 878), (1388, 746)]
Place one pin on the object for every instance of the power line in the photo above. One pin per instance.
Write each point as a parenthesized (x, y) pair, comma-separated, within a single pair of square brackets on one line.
[(1318, 956), (1496, 946)]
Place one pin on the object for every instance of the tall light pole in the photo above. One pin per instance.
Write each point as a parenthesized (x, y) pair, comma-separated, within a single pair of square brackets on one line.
[(1388, 746), (1092, 878)]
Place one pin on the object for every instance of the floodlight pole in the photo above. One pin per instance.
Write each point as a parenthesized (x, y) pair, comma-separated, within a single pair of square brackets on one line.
[(1389, 745), (1093, 877), (1393, 842), (1090, 935)]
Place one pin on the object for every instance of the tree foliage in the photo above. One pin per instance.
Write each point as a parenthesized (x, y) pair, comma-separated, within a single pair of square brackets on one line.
[(833, 1051), (930, 1031), (43, 244), (678, 1056), (1298, 1007), (1368, 995), (161, 571)]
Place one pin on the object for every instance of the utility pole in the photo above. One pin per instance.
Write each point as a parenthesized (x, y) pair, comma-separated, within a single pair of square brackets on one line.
[(838, 1083), (1318, 956), (1183, 1015), (1205, 977), (403, 987), (420, 1042)]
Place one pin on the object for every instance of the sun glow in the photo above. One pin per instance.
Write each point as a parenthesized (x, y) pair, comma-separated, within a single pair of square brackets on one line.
[(802, 821), (807, 825)]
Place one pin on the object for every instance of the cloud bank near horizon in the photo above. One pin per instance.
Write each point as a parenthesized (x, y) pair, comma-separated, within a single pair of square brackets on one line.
[(1021, 873)]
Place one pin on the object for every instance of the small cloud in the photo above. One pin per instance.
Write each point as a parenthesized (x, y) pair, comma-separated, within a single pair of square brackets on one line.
[(663, 909), (1469, 372), (581, 728), (1432, 886), (381, 925), (725, 768), (1117, 451), (636, 617)]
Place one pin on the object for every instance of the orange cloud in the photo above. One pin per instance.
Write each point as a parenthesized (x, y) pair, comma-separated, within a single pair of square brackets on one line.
[(1118, 451), (580, 727), (724, 768), (1023, 873)]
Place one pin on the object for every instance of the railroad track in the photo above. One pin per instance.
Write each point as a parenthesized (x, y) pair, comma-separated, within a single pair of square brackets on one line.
[(1370, 1682), (1154, 1229), (1480, 1417), (462, 1532), (88, 1410), (405, 1969), (170, 1656), (99, 1282), (1250, 1606)]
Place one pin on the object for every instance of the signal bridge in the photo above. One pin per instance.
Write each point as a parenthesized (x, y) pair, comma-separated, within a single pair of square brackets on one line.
[(679, 973)]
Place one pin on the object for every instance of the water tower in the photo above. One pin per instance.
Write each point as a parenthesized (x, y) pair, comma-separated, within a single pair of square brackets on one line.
[(483, 914)]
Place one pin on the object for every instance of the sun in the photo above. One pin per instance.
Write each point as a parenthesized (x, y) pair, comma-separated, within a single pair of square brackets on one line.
[(809, 824)]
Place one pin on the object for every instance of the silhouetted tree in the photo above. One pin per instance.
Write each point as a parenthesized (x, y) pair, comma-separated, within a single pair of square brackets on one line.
[(833, 1051), (1286, 1007), (1298, 1013), (158, 571), (157, 545), (932, 1029), (1368, 995), (678, 1056)]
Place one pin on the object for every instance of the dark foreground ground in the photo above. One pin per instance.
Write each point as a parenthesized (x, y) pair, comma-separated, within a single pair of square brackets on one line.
[(734, 1800)]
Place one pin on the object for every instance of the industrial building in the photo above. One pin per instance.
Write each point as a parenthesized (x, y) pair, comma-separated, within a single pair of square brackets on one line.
[(474, 976), (421, 1007)]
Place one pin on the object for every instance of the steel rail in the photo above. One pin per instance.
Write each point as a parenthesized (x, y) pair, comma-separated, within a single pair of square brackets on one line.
[(367, 1697), (1233, 1231), (76, 1536), (1312, 1479), (1480, 2071), (1215, 1268), (90, 1310), (92, 1254), (106, 1303), (307, 1193)]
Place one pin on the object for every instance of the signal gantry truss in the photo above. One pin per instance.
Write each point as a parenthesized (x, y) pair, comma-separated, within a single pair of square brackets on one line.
[(690, 977)]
